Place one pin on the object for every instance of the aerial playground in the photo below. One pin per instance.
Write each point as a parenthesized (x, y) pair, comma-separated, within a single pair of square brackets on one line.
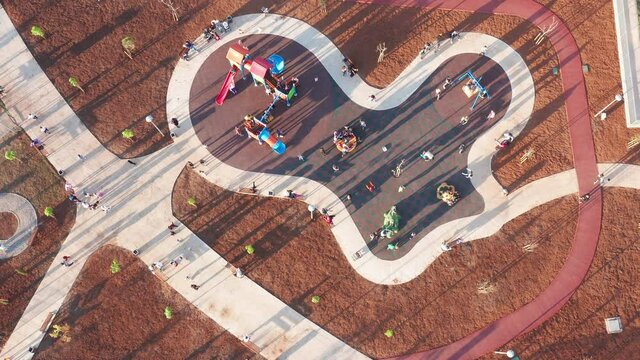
[(266, 73)]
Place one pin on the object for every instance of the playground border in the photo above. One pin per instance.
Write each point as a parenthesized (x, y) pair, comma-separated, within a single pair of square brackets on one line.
[(589, 215)]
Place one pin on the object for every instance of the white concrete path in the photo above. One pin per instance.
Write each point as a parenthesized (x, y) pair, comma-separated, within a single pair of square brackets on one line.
[(27, 218), (141, 195), (498, 208)]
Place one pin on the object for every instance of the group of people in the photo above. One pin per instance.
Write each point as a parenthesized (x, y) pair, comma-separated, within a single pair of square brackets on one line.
[(348, 67), (345, 140), (435, 45), (210, 32)]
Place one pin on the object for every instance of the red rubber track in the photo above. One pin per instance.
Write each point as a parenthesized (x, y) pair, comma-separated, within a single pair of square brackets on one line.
[(587, 232)]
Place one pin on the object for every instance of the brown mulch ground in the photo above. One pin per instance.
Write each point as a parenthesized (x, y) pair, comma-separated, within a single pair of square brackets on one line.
[(34, 178), (121, 316), (592, 24), (297, 258), (8, 225), (115, 85), (610, 289)]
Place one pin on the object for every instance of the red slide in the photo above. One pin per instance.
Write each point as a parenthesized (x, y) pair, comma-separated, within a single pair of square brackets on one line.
[(226, 85)]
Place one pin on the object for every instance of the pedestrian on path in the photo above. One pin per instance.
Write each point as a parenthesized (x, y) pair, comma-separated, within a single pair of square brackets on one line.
[(176, 261), (172, 226), (292, 195), (335, 168), (195, 287), (447, 82), (483, 50), (426, 155), (68, 187), (584, 198), (105, 208), (601, 180), (32, 116), (370, 186), (300, 157), (66, 261), (363, 124), (392, 247), (467, 173), (82, 157), (175, 122), (3, 91), (131, 162), (344, 70), (44, 129), (464, 120), (438, 91), (328, 219), (491, 115), (239, 132), (74, 198), (279, 134), (461, 148), (372, 98), (454, 35), (239, 274)]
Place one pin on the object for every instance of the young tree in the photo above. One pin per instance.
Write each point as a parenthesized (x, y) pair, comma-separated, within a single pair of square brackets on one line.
[(172, 8), (128, 134), (48, 211), (10, 155), (21, 272), (129, 46), (315, 299), (249, 249), (75, 83), (115, 267), (37, 31), (389, 333), (168, 312), (4, 302), (192, 201)]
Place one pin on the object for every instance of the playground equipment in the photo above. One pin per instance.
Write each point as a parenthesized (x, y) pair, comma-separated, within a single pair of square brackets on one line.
[(345, 140), (447, 193), (263, 72), (473, 87), (257, 129), (391, 223)]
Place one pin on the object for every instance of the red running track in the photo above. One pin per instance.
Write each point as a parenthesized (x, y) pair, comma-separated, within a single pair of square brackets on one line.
[(587, 232)]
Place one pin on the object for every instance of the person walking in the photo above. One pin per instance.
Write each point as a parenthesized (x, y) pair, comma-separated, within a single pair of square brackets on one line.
[(438, 91), (467, 173), (426, 155), (447, 82), (44, 129), (601, 180), (195, 287), (175, 122), (483, 50), (372, 98), (66, 261), (491, 115), (32, 116), (335, 168)]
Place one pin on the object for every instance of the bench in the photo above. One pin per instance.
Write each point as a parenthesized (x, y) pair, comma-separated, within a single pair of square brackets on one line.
[(47, 322)]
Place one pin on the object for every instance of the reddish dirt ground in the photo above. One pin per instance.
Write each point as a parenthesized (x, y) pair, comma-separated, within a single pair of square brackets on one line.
[(32, 177), (121, 316), (610, 289), (112, 80), (8, 225), (297, 258)]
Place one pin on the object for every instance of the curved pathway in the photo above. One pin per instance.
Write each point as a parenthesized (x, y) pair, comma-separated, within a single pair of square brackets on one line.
[(498, 209), (140, 197), (22, 209), (590, 215)]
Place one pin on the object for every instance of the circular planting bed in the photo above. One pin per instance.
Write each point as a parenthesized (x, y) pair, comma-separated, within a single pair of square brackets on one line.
[(8, 225)]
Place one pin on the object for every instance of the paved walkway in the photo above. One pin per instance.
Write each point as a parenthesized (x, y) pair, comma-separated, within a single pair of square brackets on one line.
[(140, 196), (22, 209), (590, 215), (498, 209)]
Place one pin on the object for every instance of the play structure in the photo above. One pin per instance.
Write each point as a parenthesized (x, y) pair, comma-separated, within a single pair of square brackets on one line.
[(473, 87), (263, 72), (391, 223), (345, 140), (258, 129), (447, 193)]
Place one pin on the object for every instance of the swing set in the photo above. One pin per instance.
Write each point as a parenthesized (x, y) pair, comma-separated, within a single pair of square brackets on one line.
[(473, 86)]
